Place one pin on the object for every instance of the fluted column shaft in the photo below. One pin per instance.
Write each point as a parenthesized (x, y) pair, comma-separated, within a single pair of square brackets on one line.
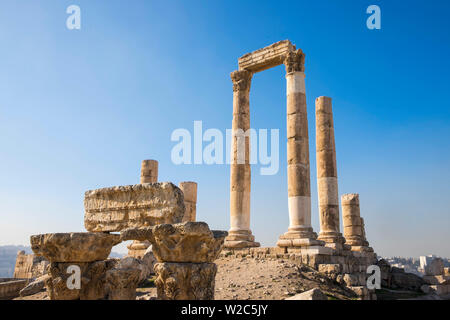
[(300, 232), (327, 183), (240, 174)]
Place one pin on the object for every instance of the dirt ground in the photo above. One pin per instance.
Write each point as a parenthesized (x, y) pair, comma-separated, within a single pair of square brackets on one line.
[(264, 279)]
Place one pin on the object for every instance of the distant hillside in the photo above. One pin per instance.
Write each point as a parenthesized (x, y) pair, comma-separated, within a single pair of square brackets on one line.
[(8, 259)]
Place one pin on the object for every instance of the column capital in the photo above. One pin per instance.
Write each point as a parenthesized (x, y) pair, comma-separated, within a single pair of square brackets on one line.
[(241, 80), (295, 61)]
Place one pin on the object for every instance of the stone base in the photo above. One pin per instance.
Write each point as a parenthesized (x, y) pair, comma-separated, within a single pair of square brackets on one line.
[(185, 281), (334, 240), (361, 249), (299, 237), (240, 239)]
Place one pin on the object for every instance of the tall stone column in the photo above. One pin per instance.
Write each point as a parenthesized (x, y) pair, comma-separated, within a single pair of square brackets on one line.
[(190, 200), (327, 184), (240, 235), (300, 232), (149, 174)]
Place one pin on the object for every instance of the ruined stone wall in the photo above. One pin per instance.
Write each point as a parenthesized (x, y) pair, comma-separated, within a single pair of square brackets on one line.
[(29, 266)]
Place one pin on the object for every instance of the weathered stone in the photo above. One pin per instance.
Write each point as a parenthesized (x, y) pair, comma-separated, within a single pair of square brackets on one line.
[(137, 248), (240, 234), (122, 280), (330, 268), (385, 270), (74, 247), (92, 280), (182, 242), (122, 207), (35, 286), (267, 57), (10, 288), (406, 281), (189, 189), (112, 279), (29, 266), (149, 174), (149, 261), (185, 281), (327, 184), (431, 265), (149, 171), (313, 294), (135, 264)]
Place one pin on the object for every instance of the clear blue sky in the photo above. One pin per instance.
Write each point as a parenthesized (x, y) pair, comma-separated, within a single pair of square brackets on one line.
[(80, 109)]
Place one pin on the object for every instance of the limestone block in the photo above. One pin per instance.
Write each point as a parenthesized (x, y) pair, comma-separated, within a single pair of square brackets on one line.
[(149, 171), (35, 286), (266, 57), (330, 268), (185, 281), (190, 200), (29, 266), (10, 288), (313, 294), (118, 208), (149, 261), (74, 247), (182, 242)]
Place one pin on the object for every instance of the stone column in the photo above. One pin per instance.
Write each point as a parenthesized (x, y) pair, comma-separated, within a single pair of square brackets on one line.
[(190, 200), (327, 184), (149, 171), (300, 232), (240, 235), (351, 218), (149, 174)]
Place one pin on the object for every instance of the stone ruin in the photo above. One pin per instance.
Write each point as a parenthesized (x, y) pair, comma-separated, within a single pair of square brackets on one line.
[(437, 278), (344, 257), (185, 253), (160, 217), (150, 213), (29, 266)]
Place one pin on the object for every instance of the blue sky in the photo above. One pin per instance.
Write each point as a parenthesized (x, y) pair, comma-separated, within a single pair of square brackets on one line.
[(80, 109)]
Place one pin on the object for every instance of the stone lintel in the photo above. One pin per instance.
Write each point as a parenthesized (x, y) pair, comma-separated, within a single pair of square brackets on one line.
[(267, 57)]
